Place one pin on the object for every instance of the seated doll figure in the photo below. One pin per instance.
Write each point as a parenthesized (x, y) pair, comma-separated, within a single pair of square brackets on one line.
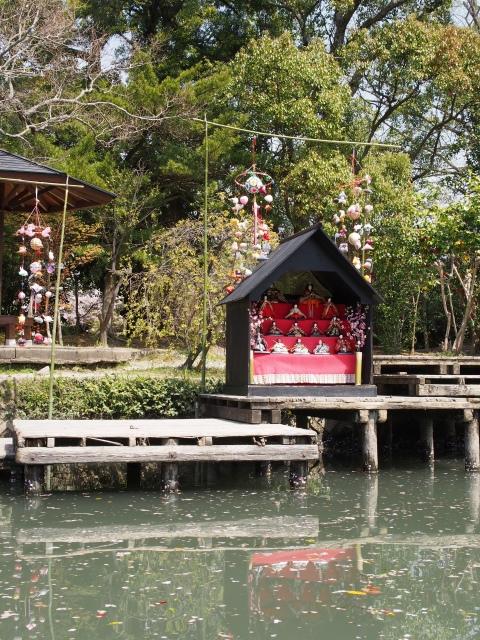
[(342, 345), (279, 347), (295, 313), (299, 347), (260, 344), (329, 308), (295, 330), (335, 328), (275, 295), (274, 330), (312, 299), (266, 307), (316, 332), (321, 349)]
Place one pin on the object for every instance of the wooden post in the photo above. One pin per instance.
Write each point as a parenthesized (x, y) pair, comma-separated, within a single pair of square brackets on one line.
[(169, 470), (426, 448), (472, 446), (34, 475), (368, 423)]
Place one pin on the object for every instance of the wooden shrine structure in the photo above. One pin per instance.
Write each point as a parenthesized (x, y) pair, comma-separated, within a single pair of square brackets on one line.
[(308, 257)]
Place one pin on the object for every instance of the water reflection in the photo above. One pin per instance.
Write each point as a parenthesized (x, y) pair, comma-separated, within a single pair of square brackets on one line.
[(396, 556)]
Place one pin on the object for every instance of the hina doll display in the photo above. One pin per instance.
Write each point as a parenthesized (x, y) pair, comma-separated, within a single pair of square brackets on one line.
[(335, 328), (296, 330), (342, 345), (321, 349), (279, 347), (274, 330), (316, 332), (295, 313), (312, 299), (329, 308), (299, 347)]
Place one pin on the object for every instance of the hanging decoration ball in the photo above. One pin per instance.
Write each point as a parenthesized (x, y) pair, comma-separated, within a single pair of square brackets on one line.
[(35, 267), (38, 338), (51, 257), (38, 319), (354, 211), (21, 319), (268, 198), (343, 247), (234, 200), (38, 298), (367, 247), (22, 250), (46, 232), (36, 244), (22, 272), (253, 184), (21, 295), (247, 272), (367, 265), (336, 219), (234, 246), (368, 208), (356, 262), (48, 294), (368, 278), (51, 268), (354, 240), (244, 200)]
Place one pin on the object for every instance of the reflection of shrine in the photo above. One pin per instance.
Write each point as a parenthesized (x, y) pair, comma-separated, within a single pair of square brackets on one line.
[(298, 579), (289, 328)]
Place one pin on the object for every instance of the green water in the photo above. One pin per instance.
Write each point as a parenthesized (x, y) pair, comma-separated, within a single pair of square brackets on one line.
[(351, 557)]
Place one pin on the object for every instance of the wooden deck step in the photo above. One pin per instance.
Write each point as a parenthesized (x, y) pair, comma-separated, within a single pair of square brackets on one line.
[(45, 442)]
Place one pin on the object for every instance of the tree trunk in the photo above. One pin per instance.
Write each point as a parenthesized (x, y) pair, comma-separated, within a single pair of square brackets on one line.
[(446, 311), (458, 344), (110, 293), (414, 328)]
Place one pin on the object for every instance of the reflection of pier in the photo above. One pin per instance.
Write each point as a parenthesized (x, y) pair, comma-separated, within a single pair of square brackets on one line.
[(186, 535)]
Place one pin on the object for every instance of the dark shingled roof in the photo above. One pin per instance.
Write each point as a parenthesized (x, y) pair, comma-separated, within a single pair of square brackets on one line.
[(270, 270), (16, 195)]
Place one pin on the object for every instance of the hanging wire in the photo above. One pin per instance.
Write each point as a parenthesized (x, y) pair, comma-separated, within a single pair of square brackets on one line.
[(205, 266)]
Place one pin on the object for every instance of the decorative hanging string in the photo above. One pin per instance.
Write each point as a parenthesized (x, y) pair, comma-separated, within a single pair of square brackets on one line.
[(271, 134), (57, 298), (205, 266)]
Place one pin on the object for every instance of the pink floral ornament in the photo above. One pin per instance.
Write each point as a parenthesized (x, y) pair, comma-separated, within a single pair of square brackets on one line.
[(46, 232)]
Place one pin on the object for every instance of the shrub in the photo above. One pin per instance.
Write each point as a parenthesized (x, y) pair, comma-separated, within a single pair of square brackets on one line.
[(110, 396)]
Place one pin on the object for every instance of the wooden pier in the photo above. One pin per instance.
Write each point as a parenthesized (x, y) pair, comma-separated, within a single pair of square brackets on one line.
[(368, 412), (41, 443)]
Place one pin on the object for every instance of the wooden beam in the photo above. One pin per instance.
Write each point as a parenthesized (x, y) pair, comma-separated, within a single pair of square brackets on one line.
[(184, 453)]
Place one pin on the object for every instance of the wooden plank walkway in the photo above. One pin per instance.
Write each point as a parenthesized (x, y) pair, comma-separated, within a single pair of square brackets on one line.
[(41, 443)]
